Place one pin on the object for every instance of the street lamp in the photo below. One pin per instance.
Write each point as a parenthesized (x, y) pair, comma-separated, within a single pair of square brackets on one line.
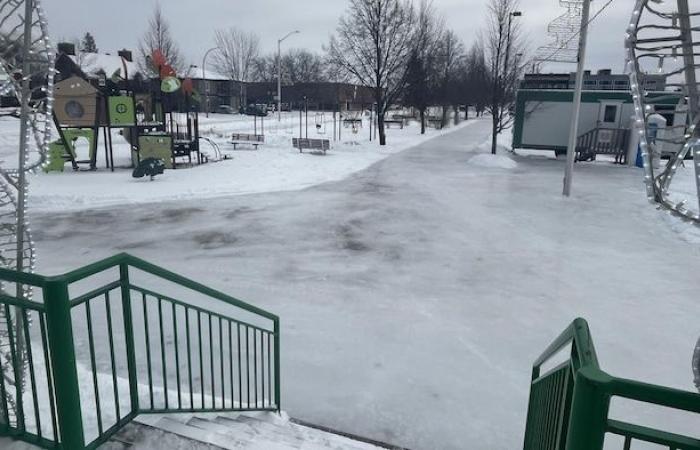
[(510, 26), (279, 74), (204, 77)]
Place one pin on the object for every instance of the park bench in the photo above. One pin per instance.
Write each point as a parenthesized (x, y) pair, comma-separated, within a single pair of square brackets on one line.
[(434, 122), (391, 122), (311, 144), (247, 139)]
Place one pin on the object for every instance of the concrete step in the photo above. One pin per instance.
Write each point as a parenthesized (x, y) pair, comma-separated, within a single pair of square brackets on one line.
[(242, 431), (264, 430)]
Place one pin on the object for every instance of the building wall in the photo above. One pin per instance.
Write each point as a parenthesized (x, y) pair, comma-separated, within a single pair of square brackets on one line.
[(321, 95), (543, 117)]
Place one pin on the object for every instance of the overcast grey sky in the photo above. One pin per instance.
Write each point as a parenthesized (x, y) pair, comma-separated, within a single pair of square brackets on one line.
[(118, 24)]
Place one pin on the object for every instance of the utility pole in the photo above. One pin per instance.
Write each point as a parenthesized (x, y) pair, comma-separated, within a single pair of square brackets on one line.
[(279, 74), (204, 77), (573, 132)]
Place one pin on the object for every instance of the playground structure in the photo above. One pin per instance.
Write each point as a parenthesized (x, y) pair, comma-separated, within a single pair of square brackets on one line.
[(660, 38), (161, 123)]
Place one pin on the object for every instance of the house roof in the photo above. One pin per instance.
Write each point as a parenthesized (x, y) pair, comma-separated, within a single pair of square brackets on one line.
[(197, 74), (93, 63)]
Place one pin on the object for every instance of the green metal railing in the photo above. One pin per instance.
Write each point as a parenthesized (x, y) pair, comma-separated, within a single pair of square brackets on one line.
[(98, 359), (569, 405)]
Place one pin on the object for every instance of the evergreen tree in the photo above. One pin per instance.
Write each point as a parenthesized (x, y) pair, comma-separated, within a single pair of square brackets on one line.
[(88, 44)]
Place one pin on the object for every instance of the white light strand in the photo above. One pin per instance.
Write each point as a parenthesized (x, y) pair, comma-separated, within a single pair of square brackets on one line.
[(655, 47)]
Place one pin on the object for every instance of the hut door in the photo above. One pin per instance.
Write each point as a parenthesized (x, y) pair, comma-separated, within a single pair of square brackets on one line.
[(609, 114)]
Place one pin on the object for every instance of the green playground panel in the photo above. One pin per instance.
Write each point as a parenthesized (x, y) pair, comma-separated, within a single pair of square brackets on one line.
[(56, 160), (58, 152), (156, 146), (122, 111)]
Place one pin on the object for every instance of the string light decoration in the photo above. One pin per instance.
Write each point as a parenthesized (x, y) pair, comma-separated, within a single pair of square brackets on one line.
[(659, 40), (27, 69), (563, 30)]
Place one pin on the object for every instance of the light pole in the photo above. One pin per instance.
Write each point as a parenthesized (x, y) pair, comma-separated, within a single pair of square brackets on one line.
[(279, 74), (510, 26), (573, 131), (204, 77)]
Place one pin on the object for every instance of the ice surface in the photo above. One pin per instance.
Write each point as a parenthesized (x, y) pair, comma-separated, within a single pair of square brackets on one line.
[(414, 295)]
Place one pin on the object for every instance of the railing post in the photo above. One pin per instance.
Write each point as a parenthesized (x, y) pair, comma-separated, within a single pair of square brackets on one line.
[(589, 410), (129, 336), (277, 365), (65, 375)]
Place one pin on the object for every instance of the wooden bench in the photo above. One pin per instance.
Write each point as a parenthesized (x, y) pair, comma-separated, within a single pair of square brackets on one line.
[(247, 139), (312, 144), (390, 122), (434, 122)]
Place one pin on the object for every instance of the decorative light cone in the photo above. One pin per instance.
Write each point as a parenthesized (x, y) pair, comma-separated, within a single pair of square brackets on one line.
[(564, 34), (659, 41), (27, 72)]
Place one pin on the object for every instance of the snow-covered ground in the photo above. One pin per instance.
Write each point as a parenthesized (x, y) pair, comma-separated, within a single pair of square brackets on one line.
[(276, 166), (415, 294)]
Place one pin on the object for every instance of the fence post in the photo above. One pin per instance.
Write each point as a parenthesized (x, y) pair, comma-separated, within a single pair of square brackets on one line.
[(589, 410), (62, 347), (129, 336), (277, 365)]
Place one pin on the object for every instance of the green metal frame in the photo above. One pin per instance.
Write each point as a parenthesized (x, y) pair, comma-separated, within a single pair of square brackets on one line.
[(57, 340), (569, 405)]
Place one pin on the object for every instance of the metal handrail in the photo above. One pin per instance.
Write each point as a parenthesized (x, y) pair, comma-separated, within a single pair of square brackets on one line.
[(578, 334), (59, 344), (137, 263), (569, 405)]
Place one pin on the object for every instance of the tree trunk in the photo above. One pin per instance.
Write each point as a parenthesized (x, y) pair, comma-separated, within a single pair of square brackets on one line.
[(443, 122), (380, 125), (422, 121), (466, 112), (494, 132), (455, 108)]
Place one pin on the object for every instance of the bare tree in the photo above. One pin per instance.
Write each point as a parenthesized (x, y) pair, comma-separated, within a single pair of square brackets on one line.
[(422, 68), (503, 44), (302, 66), (159, 37), (475, 85), (373, 45), (236, 54), (265, 68), (449, 56)]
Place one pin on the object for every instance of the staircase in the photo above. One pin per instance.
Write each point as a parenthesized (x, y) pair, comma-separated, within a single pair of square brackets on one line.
[(122, 338), (603, 141), (251, 431)]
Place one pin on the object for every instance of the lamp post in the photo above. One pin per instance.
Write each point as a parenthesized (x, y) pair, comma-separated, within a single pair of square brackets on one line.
[(279, 74), (510, 27), (204, 77)]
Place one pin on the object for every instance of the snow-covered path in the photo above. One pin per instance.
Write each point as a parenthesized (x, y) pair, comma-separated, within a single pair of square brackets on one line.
[(414, 295)]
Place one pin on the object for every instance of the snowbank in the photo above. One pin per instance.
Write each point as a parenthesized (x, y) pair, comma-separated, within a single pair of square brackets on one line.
[(497, 161), (276, 166)]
